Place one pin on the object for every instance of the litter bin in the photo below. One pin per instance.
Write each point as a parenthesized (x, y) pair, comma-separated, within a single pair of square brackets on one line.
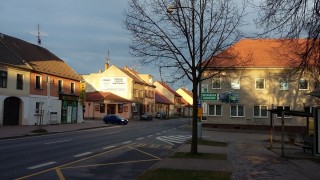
[(199, 129)]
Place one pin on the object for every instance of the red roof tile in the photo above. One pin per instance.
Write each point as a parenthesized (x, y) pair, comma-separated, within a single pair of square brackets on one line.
[(277, 53)]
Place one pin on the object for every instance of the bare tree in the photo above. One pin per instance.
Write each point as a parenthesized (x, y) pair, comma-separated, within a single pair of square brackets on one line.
[(294, 19), (178, 36)]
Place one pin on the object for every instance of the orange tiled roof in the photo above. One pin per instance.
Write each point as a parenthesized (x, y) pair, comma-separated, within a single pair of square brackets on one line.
[(17, 52), (169, 88), (277, 53), (100, 96)]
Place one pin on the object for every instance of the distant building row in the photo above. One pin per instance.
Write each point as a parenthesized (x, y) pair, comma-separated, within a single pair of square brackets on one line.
[(126, 92), (36, 86)]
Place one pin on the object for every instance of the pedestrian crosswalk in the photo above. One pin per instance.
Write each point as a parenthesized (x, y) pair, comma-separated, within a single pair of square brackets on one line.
[(174, 139)]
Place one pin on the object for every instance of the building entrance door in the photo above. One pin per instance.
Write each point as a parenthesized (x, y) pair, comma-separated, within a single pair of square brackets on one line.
[(11, 112), (111, 109)]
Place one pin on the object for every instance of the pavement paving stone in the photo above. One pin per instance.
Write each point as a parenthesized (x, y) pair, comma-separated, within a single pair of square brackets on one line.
[(195, 164), (204, 149)]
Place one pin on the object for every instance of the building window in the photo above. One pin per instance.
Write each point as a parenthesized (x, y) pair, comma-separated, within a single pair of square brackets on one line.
[(134, 107), (141, 94), (39, 109), (216, 83), (235, 83), (283, 84), (135, 93), (237, 111), (120, 108), (286, 108), (60, 86), (215, 110), (260, 111), (3, 79), (72, 88), (260, 83), (19, 81), (38, 82), (204, 88), (102, 108), (303, 84)]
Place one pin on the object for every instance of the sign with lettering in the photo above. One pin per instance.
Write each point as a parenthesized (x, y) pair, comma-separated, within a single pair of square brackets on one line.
[(209, 96)]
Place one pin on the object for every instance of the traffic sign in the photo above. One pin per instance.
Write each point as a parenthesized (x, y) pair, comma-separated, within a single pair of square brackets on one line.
[(209, 96)]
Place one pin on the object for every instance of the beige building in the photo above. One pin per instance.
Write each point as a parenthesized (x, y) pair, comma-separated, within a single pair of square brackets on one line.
[(262, 79), (175, 108), (126, 83), (187, 101)]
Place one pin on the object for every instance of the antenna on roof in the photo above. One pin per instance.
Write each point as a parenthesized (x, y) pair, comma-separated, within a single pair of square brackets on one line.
[(38, 36), (107, 62), (107, 59)]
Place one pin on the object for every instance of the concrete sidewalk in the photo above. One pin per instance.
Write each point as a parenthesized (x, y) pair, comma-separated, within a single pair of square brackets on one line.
[(7, 132), (248, 158)]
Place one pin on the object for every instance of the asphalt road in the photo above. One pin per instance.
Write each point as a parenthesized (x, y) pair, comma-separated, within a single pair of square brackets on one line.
[(117, 152)]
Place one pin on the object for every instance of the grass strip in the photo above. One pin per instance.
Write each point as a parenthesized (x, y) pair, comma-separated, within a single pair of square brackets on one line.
[(174, 174)]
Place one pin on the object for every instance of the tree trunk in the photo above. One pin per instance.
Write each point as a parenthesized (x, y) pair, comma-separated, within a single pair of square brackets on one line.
[(194, 143)]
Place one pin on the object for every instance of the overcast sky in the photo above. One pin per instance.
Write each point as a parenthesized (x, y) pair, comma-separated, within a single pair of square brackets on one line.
[(80, 32)]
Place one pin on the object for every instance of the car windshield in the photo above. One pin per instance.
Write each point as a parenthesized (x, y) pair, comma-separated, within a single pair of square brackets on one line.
[(118, 116)]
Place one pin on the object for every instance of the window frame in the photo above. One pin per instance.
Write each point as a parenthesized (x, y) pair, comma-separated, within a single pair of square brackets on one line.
[(136, 93), (60, 86), (264, 84), (204, 88), (299, 84), (260, 111), (283, 81), (38, 82), (215, 110), (3, 79), (285, 116), (214, 82), (72, 88), (19, 82), (232, 83), (237, 110)]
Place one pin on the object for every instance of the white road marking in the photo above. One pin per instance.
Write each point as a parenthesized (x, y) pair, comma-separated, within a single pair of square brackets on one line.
[(41, 165), (55, 142), (150, 135), (127, 142), (114, 132), (83, 154), (178, 139), (140, 138), (108, 147)]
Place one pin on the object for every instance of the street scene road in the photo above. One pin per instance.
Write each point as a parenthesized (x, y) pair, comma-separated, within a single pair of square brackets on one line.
[(116, 152)]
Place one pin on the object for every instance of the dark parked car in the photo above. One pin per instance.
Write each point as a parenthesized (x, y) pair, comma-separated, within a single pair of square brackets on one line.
[(146, 116), (161, 115), (114, 119)]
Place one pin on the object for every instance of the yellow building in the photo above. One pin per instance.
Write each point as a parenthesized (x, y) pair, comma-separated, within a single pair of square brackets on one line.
[(175, 108), (135, 93), (259, 77)]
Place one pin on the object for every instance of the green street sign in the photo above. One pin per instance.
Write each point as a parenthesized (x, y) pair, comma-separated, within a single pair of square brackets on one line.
[(209, 96)]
